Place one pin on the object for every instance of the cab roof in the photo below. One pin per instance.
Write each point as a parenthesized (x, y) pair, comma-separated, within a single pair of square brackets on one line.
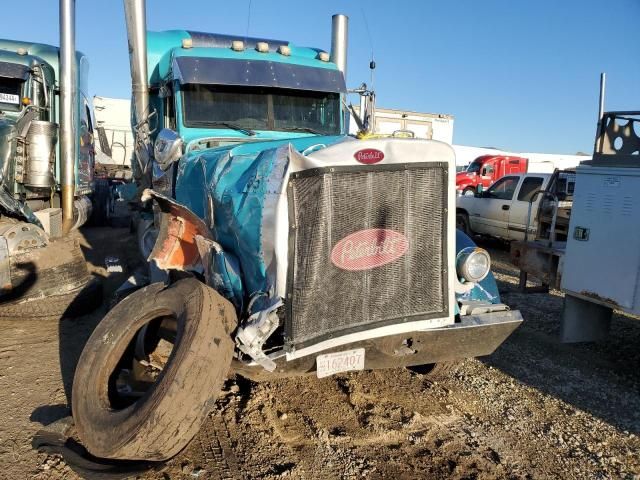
[(163, 47), (33, 54)]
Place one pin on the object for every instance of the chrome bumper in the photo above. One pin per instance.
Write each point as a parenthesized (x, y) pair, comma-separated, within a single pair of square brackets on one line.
[(475, 335)]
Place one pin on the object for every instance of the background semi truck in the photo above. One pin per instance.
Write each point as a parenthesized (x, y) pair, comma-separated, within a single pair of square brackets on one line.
[(46, 173), (486, 169), (284, 246)]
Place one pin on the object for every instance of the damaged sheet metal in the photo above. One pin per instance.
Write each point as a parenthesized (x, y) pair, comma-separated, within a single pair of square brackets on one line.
[(243, 189), (176, 246)]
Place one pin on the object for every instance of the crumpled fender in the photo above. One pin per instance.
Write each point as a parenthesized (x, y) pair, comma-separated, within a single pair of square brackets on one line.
[(176, 247), (186, 243)]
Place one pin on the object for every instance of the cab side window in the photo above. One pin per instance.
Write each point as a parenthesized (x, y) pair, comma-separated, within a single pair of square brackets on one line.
[(530, 186), (503, 189), (487, 170)]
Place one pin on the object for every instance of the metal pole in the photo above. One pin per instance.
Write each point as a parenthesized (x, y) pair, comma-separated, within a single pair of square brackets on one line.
[(68, 104), (339, 42), (603, 79), (599, 128), (135, 16)]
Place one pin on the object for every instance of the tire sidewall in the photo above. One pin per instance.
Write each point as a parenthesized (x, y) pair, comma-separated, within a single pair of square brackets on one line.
[(112, 433)]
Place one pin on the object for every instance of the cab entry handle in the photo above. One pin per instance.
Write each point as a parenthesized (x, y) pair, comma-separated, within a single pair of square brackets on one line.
[(505, 207)]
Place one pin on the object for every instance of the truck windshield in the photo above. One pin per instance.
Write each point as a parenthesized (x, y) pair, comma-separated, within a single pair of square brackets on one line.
[(253, 108), (474, 167), (10, 90)]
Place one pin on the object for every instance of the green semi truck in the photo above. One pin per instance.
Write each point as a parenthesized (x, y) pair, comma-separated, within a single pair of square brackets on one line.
[(46, 173)]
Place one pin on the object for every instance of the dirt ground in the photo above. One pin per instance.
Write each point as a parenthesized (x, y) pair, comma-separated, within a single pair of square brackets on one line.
[(533, 409)]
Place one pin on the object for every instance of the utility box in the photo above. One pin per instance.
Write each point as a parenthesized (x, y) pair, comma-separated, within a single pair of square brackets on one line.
[(603, 246), (602, 259)]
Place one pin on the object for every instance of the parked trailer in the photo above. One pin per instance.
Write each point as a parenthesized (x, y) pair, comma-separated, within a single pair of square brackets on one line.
[(430, 126), (114, 135), (288, 247)]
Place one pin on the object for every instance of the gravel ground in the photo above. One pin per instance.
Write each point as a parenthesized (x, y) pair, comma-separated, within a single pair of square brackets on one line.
[(533, 409)]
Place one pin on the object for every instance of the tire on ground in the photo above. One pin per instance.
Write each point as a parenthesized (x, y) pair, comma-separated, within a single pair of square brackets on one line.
[(434, 372), (161, 423), (470, 191), (73, 304)]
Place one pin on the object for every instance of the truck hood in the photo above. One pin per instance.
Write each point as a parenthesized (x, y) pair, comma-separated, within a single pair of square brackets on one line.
[(254, 148), (464, 175)]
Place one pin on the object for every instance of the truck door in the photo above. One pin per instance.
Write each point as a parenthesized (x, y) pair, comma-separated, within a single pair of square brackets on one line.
[(520, 207), (488, 174), (491, 212)]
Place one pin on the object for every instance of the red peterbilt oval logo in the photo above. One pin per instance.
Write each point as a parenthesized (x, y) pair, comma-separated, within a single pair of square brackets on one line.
[(368, 156), (366, 249)]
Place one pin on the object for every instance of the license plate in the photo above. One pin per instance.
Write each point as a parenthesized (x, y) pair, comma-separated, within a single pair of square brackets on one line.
[(9, 98), (337, 362)]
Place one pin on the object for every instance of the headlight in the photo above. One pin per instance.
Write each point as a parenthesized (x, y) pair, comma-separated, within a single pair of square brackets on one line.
[(473, 264)]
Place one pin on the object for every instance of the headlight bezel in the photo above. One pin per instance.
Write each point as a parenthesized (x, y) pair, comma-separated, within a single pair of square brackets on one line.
[(464, 260)]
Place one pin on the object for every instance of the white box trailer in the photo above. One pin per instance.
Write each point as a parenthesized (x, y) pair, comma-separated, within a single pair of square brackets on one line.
[(439, 126), (113, 117), (431, 126)]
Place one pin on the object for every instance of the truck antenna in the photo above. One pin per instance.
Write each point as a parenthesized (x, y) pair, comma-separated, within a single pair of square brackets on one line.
[(248, 22), (372, 63)]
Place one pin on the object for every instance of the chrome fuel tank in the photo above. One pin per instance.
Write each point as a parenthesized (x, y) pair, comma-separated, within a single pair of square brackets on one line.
[(41, 143)]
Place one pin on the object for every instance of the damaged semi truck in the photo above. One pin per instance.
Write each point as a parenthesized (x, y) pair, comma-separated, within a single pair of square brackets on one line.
[(288, 247), (46, 174)]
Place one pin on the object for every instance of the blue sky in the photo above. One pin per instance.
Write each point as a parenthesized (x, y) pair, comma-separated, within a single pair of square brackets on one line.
[(520, 75)]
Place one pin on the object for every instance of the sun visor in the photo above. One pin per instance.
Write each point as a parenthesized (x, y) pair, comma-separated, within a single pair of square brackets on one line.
[(221, 71), (12, 70)]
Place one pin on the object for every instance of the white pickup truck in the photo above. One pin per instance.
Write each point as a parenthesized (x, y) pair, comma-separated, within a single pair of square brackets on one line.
[(501, 210)]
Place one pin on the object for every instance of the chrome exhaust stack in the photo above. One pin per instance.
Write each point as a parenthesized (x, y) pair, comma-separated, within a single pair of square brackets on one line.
[(68, 104), (135, 17), (339, 42)]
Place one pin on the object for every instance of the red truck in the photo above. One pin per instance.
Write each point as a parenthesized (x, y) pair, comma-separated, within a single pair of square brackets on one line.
[(486, 169)]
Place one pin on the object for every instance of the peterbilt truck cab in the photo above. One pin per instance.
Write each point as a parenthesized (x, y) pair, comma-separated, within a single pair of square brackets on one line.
[(283, 245)]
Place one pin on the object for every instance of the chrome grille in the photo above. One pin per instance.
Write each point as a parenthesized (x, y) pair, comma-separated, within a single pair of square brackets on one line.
[(349, 228)]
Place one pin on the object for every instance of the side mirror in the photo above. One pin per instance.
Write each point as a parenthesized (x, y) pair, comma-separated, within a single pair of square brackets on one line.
[(167, 148)]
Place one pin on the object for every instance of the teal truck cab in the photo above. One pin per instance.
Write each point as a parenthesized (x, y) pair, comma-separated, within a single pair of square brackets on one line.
[(288, 247), (35, 262)]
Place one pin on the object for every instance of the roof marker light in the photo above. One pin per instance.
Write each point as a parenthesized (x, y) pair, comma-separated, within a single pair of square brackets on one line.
[(323, 56), (284, 50), (187, 43), (262, 47), (237, 45)]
